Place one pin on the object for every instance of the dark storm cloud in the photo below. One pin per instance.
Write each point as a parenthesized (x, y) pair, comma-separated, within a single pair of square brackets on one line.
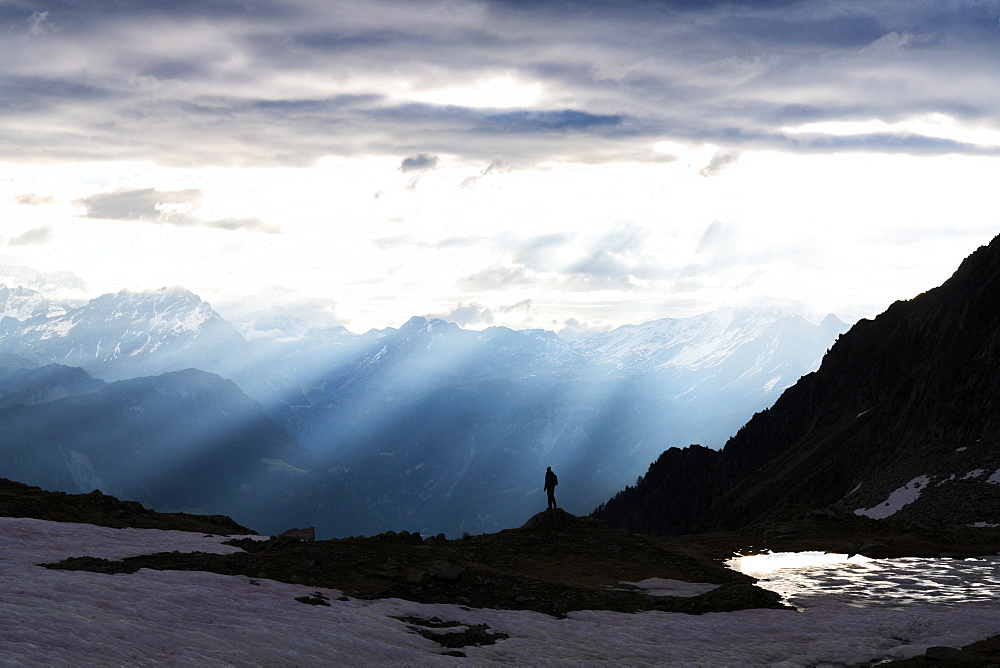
[(162, 207), (286, 83)]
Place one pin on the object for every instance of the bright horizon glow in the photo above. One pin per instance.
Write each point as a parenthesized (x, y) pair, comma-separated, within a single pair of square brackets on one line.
[(500, 164)]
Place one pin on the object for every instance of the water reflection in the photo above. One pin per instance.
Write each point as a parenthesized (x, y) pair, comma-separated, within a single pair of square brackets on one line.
[(805, 579)]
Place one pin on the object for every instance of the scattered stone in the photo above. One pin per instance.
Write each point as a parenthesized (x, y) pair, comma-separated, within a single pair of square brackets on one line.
[(309, 533), (432, 623), (445, 570), (316, 598), (476, 635)]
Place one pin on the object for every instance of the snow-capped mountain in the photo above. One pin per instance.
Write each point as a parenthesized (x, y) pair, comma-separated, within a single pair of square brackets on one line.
[(272, 324), (22, 303), (51, 283), (131, 334), (768, 341)]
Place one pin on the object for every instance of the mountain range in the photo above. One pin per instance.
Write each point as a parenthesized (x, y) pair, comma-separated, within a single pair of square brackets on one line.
[(900, 420), (428, 426)]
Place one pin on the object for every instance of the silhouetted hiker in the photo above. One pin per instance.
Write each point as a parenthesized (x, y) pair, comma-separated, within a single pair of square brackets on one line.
[(550, 486)]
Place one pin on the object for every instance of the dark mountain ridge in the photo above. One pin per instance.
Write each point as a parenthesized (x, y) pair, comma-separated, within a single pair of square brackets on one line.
[(183, 441), (900, 419)]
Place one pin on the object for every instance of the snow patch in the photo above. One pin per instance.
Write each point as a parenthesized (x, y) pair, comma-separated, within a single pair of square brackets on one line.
[(194, 618), (666, 587), (962, 449), (995, 478), (974, 474), (903, 496)]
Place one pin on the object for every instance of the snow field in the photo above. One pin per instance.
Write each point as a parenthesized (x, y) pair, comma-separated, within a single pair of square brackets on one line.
[(64, 618)]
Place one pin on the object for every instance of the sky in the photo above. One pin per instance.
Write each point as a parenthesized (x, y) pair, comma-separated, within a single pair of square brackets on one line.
[(576, 164)]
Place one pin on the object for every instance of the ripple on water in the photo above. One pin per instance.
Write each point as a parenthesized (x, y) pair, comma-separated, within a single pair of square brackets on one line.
[(805, 579)]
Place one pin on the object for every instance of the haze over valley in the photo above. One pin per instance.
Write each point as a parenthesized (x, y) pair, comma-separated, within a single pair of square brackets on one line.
[(428, 427)]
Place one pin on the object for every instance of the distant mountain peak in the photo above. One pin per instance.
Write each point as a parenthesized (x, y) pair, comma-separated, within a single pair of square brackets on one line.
[(23, 303), (46, 282), (421, 324)]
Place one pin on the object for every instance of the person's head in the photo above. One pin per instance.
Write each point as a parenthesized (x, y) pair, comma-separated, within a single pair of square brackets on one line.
[(548, 468)]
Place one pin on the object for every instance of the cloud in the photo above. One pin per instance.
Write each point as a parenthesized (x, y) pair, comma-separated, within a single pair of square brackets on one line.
[(249, 224), (410, 241), (498, 277), (496, 167), (162, 207), (718, 163), (34, 236), (419, 162), (472, 314), (39, 24), (894, 41), (559, 261), (31, 199), (524, 304), (466, 314), (222, 83), (573, 328), (715, 235), (317, 311), (613, 261)]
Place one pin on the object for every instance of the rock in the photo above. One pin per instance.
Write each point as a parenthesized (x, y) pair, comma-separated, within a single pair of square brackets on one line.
[(551, 518), (445, 570), (317, 598), (733, 596), (953, 654), (309, 533), (870, 545), (477, 635)]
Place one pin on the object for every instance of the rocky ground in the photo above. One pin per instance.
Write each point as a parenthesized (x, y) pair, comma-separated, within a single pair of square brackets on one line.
[(553, 564), (19, 500)]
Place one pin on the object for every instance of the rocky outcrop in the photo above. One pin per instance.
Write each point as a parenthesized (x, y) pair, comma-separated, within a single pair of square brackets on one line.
[(902, 415), (19, 500)]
